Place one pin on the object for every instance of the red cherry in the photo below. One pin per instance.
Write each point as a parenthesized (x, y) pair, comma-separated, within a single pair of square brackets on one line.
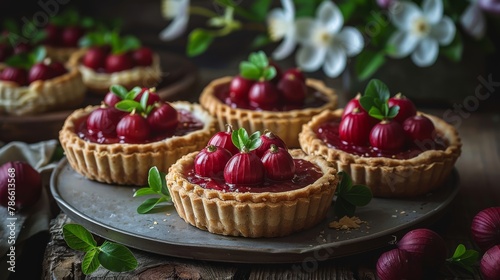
[(58, 68), (293, 88), (278, 163), (419, 127), (102, 122), (95, 58), (244, 168), (406, 107), (279, 71), (353, 103), (5, 52), (268, 139), (263, 95), (223, 139), (143, 56), (22, 47), (40, 71), (297, 73), (387, 135), (355, 128), (53, 33), (239, 89), (133, 128), (70, 36), (13, 74), (163, 118), (211, 161), (152, 97), (118, 62), (111, 99)]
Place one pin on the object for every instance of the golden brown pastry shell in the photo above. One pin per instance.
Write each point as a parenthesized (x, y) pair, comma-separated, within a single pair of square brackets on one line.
[(286, 125), (388, 177), (129, 164), (267, 214)]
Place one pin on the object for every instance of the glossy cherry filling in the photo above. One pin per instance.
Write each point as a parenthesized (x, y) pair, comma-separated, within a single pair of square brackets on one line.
[(314, 99), (187, 123), (306, 173), (329, 133)]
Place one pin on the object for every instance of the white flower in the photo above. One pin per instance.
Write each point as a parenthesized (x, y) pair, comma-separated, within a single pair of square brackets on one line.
[(420, 31), (282, 26), (473, 21), (324, 42), (178, 12)]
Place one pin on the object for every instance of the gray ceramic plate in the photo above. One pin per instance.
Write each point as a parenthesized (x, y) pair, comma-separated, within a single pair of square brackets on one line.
[(110, 211)]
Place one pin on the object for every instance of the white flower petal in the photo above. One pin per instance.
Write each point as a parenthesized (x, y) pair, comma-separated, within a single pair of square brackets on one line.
[(277, 24), (473, 21), (329, 16), (490, 6), (170, 9), (426, 52), (403, 14), (310, 58), (403, 42), (444, 31), (433, 10), (351, 40), (304, 29), (175, 28), (335, 62), (286, 47), (288, 7)]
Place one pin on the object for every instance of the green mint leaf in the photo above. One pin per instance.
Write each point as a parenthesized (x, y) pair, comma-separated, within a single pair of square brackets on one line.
[(155, 179), (269, 73), (464, 258), (19, 61), (164, 190), (259, 59), (149, 204), (393, 112), (198, 42), (377, 89), (367, 63), (239, 138), (343, 208), (358, 195), (116, 257), (344, 184), (376, 113), (87, 22), (143, 192), (119, 90), (133, 93), (144, 101), (78, 238), (260, 8), (11, 25), (249, 71), (254, 141), (128, 105), (260, 40), (90, 262), (130, 43), (459, 251), (37, 55), (367, 102)]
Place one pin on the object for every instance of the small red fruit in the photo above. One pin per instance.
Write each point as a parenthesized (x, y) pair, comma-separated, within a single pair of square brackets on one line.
[(163, 118), (53, 35), (5, 52), (13, 74), (95, 58), (355, 128), (279, 71), (387, 135), (152, 96), (293, 88), (211, 161), (295, 72), (263, 95), (406, 107), (352, 104), (268, 139), (40, 71), (102, 122), (111, 99), (27, 182), (239, 89), (71, 35), (419, 127), (278, 163), (133, 128), (244, 168), (223, 139), (143, 56), (22, 47), (118, 62), (58, 68)]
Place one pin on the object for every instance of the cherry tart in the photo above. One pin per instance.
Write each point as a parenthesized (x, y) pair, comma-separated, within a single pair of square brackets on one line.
[(285, 121), (127, 145), (416, 168), (116, 69), (266, 209)]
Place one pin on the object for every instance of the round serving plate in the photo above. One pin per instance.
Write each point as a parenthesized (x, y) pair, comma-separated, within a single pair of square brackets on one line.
[(110, 212), (180, 77)]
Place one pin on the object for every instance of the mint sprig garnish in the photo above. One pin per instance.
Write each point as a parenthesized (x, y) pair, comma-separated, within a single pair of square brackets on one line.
[(245, 142), (119, 44), (128, 104), (375, 101), (27, 60), (257, 67), (112, 256), (156, 186), (464, 258), (350, 196)]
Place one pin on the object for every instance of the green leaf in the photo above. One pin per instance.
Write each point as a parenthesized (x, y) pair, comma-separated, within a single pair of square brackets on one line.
[(164, 190), (260, 40), (459, 251), (358, 195), (377, 88), (269, 73), (198, 42), (366, 102), (343, 208), (149, 204), (90, 262), (239, 138), (154, 179), (11, 25), (144, 191), (464, 258), (78, 238), (393, 111), (249, 70), (260, 8), (454, 50), (37, 55), (367, 63), (133, 93), (259, 59), (144, 100), (119, 90), (254, 141), (130, 43), (116, 257), (344, 184), (128, 105), (376, 113)]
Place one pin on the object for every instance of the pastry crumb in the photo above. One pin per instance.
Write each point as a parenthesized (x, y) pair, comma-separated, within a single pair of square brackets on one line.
[(346, 223)]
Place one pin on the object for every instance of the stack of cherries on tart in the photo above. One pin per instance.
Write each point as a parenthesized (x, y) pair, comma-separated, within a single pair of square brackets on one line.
[(385, 143), (132, 130), (264, 96), (251, 185)]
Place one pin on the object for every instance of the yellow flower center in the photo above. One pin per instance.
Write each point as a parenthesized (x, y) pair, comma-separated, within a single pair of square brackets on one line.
[(421, 27), (322, 38)]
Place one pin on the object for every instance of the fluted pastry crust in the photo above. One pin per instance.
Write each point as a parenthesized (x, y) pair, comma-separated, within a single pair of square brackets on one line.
[(128, 164), (267, 214), (388, 177), (286, 124)]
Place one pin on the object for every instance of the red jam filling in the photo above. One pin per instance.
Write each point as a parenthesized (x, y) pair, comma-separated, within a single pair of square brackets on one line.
[(329, 134), (314, 99), (306, 173), (187, 123)]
